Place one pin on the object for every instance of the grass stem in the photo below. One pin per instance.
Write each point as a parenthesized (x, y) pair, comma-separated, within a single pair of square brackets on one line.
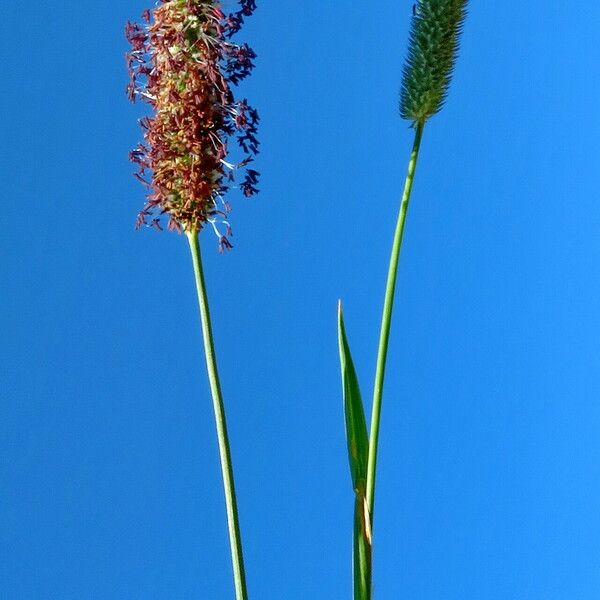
[(386, 321), (235, 539)]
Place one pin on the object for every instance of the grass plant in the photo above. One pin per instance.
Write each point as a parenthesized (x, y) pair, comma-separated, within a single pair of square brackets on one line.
[(184, 64), (433, 48)]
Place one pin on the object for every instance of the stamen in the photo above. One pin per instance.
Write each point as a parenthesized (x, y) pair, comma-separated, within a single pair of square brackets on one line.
[(183, 64)]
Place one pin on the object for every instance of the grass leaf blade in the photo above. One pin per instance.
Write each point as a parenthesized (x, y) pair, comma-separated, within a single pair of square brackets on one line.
[(356, 425), (358, 455)]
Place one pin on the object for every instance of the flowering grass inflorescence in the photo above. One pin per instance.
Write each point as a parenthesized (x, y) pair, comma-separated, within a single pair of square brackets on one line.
[(183, 63), (434, 40)]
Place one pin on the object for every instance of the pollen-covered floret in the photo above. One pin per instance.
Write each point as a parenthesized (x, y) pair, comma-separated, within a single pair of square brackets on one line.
[(183, 63)]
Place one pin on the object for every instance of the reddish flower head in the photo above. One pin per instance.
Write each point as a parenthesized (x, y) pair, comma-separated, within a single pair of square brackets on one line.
[(184, 65)]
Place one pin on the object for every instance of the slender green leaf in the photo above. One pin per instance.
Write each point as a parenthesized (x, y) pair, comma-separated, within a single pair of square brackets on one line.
[(356, 425), (358, 452)]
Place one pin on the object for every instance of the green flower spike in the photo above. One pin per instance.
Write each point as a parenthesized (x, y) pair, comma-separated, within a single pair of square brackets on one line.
[(434, 40)]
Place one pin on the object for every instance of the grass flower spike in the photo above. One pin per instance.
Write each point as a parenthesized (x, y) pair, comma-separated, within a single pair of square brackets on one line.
[(433, 49), (184, 65), (434, 38)]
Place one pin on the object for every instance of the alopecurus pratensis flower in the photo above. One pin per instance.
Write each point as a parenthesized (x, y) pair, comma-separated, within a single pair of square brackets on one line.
[(183, 63), (434, 41)]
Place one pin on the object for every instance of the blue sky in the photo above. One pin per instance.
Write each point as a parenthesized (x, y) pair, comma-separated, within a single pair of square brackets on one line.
[(490, 460)]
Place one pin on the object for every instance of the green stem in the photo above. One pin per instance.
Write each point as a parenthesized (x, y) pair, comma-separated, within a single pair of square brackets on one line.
[(235, 539), (386, 321)]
